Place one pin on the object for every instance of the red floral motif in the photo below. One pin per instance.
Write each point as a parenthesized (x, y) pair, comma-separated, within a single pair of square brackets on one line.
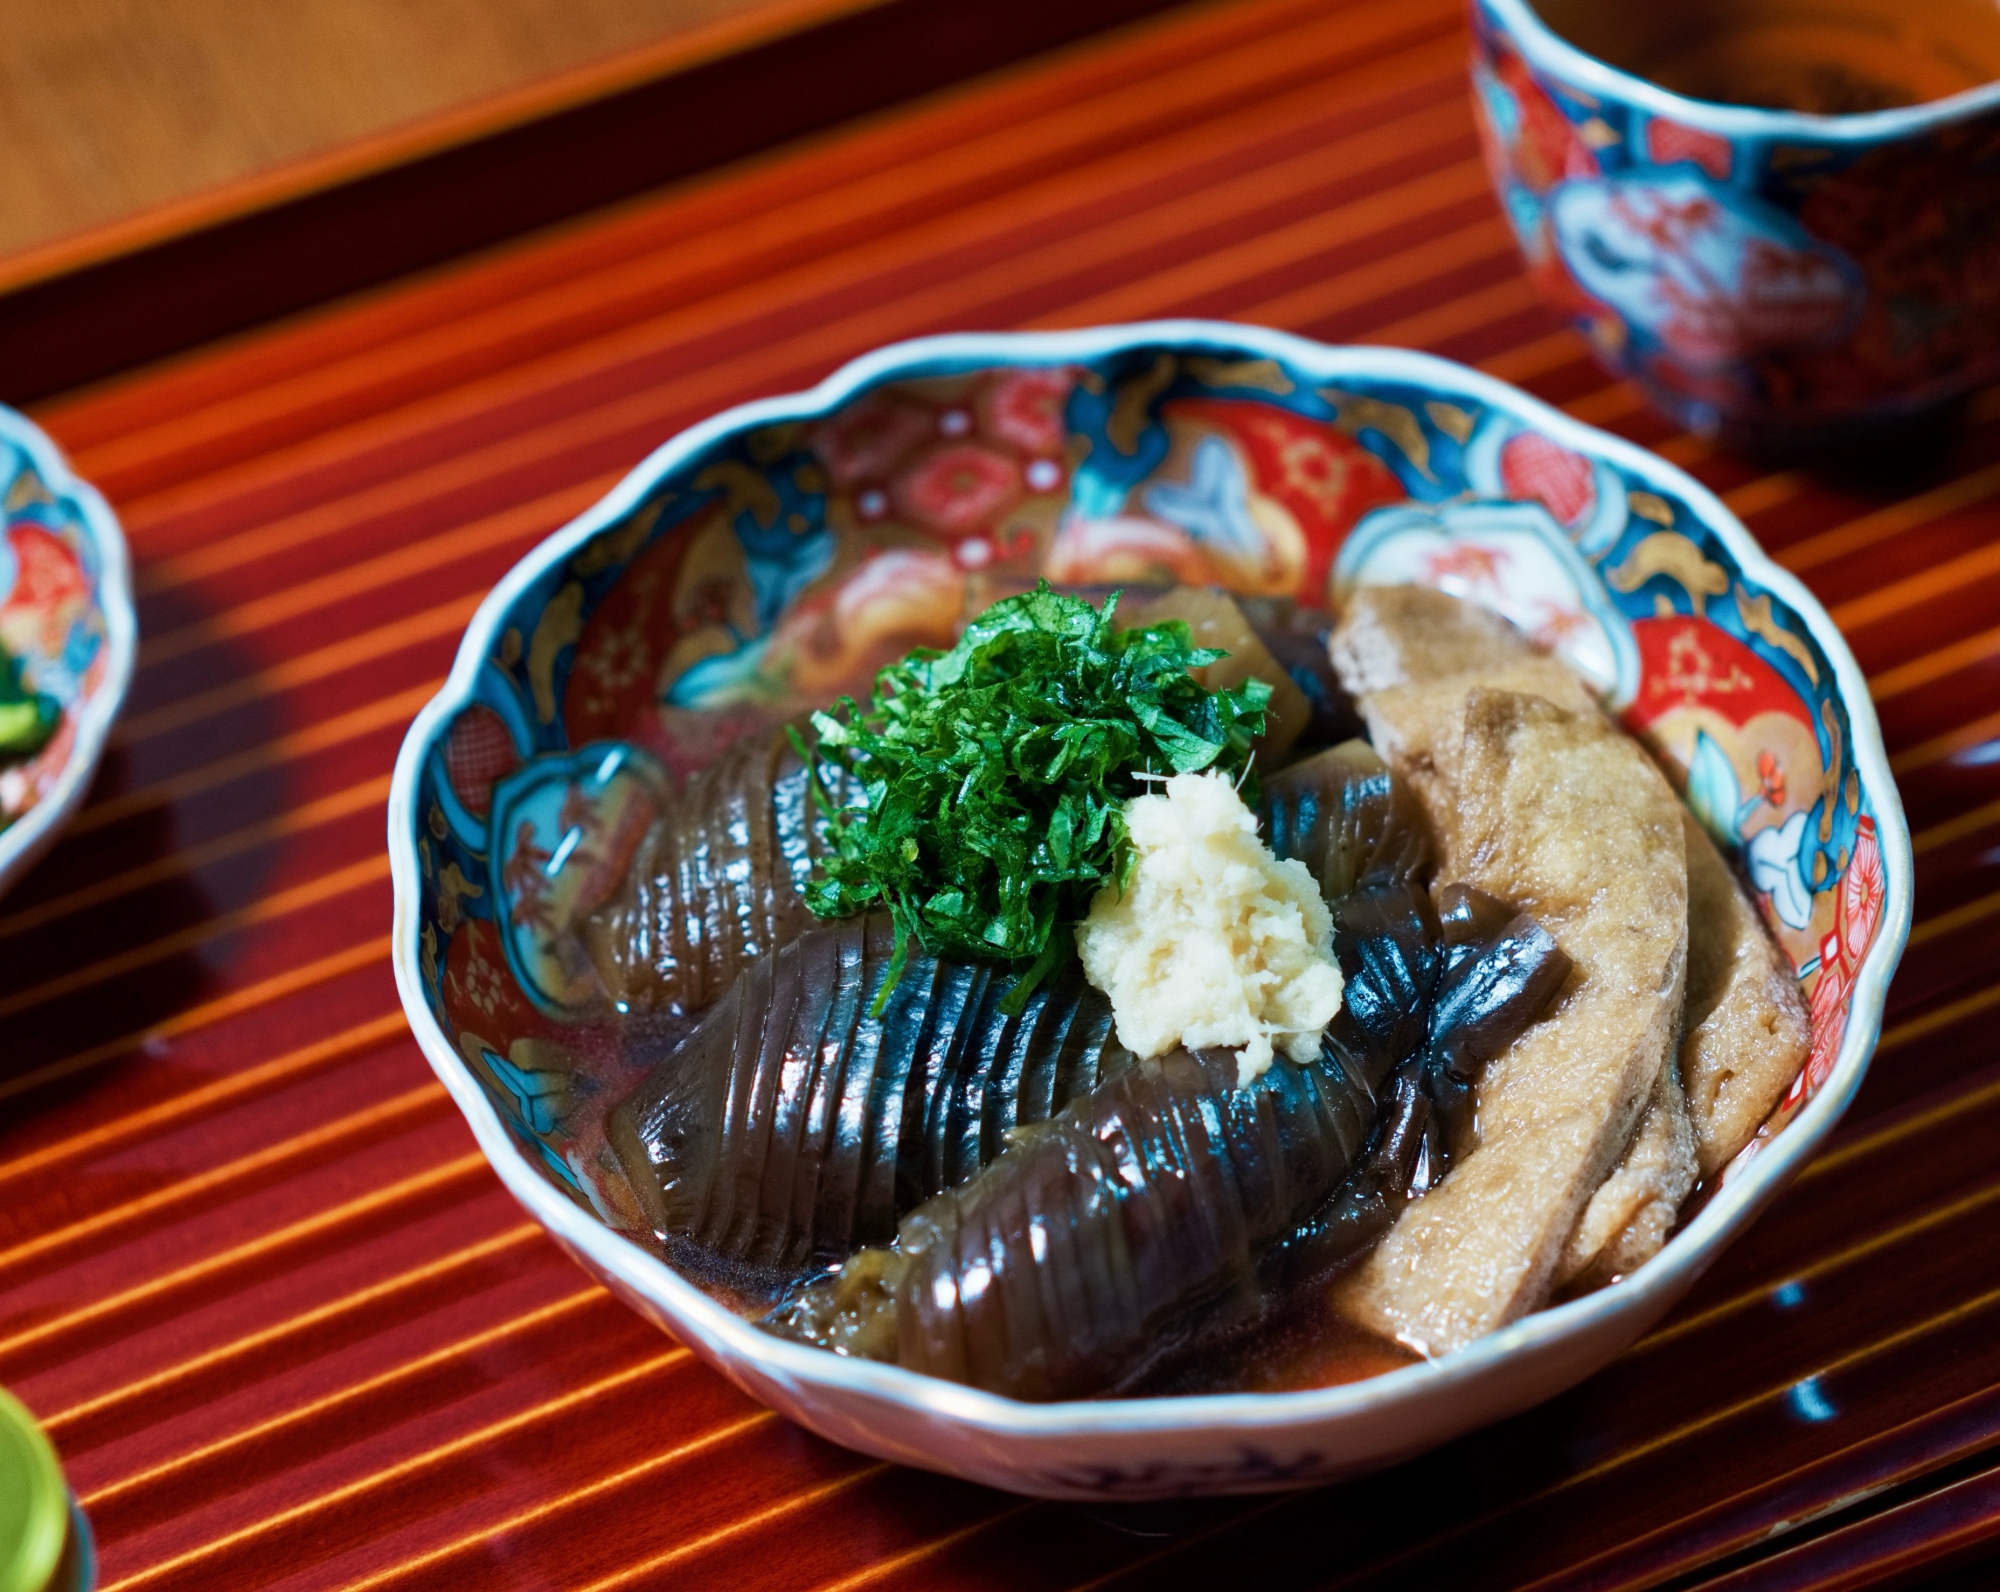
[(1857, 914), (1546, 150), (958, 489), (1685, 661), (1538, 470), (480, 994), (478, 752), (1862, 891), (523, 877), (1670, 142), (1325, 478), (1826, 1011), (49, 584), (1790, 295), (868, 438), (1025, 407), (1465, 566), (611, 829), (1770, 780), (1556, 624), (1782, 296)]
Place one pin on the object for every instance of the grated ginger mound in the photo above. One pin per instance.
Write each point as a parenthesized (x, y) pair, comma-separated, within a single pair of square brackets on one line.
[(1214, 942)]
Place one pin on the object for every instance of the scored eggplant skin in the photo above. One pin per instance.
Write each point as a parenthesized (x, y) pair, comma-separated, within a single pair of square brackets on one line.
[(793, 1126), (1105, 1239), (717, 882), (1078, 1252), (1347, 818), (1016, 1202), (1492, 973)]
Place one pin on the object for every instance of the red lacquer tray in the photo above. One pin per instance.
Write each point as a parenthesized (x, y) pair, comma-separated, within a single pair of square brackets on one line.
[(282, 1322)]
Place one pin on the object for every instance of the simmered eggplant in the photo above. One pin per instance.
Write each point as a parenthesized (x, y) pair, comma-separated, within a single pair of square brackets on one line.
[(1347, 818), (715, 884), (1501, 969), (1386, 940), (1087, 1247), (1106, 1238), (792, 1125), (1495, 972)]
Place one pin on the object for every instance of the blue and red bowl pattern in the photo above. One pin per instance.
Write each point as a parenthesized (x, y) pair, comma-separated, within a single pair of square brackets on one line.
[(66, 618), (1746, 270), (782, 563)]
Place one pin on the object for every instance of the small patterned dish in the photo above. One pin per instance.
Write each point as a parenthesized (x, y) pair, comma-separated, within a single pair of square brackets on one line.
[(66, 615), (765, 558)]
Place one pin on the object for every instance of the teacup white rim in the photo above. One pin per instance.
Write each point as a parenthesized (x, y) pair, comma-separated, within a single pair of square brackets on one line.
[(732, 1337), (1571, 65), (38, 828)]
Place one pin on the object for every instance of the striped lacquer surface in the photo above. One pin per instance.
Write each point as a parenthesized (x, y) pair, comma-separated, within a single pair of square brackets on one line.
[(286, 1328)]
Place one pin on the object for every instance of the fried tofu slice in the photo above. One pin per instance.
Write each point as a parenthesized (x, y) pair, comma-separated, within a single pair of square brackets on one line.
[(1394, 644), (1745, 1032), (1746, 1028), (1560, 812), (1635, 1208), (1413, 722), (1744, 1036), (1404, 635)]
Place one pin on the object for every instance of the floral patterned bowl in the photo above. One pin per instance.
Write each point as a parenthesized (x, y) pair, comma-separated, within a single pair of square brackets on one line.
[(1781, 278), (66, 615), (766, 557)]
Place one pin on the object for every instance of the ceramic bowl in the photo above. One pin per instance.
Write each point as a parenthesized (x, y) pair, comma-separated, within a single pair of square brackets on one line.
[(761, 558), (66, 615), (1780, 278)]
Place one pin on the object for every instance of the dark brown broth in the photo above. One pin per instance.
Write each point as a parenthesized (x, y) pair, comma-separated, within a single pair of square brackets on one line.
[(1824, 57), (1306, 1344)]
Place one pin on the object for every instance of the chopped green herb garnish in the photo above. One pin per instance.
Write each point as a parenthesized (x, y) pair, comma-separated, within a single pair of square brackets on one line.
[(25, 727), (990, 779), (28, 720)]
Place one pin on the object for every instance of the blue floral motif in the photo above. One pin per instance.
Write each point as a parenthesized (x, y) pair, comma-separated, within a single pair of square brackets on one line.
[(1776, 861), (1215, 504)]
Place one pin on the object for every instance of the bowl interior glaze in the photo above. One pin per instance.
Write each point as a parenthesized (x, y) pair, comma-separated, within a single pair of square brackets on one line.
[(773, 556)]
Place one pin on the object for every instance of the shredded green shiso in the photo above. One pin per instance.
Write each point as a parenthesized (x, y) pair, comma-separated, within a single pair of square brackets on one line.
[(28, 719), (989, 781)]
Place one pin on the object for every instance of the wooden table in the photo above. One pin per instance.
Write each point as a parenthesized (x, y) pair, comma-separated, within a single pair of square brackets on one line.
[(285, 1326)]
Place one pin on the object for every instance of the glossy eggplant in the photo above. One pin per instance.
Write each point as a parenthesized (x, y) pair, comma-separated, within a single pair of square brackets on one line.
[(1492, 973), (1348, 818), (793, 1125), (1386, 938), (716, 883), (1170, 1202), (1098, 1240), (1501, 969)]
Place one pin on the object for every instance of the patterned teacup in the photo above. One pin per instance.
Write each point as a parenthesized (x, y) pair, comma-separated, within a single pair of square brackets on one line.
[(1777, 278)]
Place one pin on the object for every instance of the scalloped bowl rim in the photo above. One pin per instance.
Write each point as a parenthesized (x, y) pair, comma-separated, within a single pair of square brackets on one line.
[(732, 1337), (24, 840), (1595, 74)]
